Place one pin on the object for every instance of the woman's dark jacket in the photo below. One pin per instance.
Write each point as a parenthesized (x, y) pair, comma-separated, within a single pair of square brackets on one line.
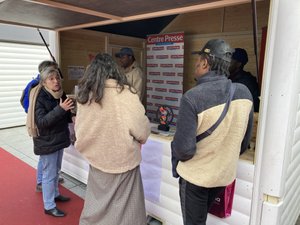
[(52, 122)]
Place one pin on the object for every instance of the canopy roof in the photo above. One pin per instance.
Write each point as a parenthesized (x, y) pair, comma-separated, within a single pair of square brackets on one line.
[(74, 14)]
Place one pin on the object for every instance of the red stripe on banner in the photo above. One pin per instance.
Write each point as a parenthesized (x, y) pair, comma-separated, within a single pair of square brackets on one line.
[(148, 96), (175, 107), (172, 82), (161, 89), (150, 56), (148, 80), (148, 48), (175, 91), (173, 47), (151, 111), (166, 65), (158, 48), (149, 88), (150, 103), (157, 97), (162, 56), (179, 65), (176, 56), (168, 74), (171, 98), (152, 65), (154, 73), (158, 81)]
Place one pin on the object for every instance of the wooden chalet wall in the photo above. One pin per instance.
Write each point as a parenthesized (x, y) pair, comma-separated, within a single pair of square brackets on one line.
[(78, 47), (234, 24)]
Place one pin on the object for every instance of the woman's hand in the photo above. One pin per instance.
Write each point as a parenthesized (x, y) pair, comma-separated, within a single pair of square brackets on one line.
[(66, 104)]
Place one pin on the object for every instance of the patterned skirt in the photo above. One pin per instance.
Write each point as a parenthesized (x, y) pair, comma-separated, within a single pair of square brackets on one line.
[(114, 199)]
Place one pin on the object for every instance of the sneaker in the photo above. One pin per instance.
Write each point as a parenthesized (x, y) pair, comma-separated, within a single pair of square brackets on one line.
[(38, 188)]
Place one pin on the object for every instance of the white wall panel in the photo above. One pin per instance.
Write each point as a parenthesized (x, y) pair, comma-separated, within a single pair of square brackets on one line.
[(291, 199), (245, 171), (277, 175), (270, 214), (244, 188), (168, 208), (18, 65)]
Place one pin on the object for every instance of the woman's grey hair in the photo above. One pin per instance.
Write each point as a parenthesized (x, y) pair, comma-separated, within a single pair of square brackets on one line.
[(47, 72), (47, 63), (216, 64), (92, 85)]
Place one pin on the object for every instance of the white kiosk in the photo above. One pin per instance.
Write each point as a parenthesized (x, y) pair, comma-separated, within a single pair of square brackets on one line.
[(161, 189)]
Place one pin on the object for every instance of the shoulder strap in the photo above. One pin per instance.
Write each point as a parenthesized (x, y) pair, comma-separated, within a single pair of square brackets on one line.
[(223, 114)]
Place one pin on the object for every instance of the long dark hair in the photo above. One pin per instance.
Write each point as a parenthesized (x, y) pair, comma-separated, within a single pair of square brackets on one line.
[(92, 85), (216, 64)]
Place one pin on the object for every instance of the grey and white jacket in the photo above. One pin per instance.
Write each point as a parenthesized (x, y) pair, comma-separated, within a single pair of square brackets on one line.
[(212, 162)]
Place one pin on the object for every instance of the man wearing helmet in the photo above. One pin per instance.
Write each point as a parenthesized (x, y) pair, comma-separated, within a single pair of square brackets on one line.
[(206, 167)]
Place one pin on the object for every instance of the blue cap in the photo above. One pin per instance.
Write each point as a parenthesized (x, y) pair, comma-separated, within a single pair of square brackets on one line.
[(240, 55), (124, 51)]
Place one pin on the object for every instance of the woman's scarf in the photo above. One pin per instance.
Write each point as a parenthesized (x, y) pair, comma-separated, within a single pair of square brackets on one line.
[(55, 94)]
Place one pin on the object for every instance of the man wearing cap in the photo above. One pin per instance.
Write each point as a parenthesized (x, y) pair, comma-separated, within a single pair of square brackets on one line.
[(239, 75), (206, 167), (132, 71)]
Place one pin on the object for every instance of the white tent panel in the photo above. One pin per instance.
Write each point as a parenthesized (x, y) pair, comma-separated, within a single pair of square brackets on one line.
[(18, 65)]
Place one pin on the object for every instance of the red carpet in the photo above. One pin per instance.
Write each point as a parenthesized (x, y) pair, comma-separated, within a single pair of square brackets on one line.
[(21, 205)]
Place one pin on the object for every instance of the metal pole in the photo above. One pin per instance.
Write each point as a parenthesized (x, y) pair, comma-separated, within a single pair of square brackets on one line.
[(45, 43), (254, 23)]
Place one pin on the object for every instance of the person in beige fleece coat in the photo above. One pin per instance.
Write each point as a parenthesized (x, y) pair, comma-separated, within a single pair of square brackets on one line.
[(205, 167), (110, 128)]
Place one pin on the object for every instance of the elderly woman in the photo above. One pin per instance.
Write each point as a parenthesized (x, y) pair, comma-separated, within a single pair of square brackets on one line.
[(51, 115), (110, 127)]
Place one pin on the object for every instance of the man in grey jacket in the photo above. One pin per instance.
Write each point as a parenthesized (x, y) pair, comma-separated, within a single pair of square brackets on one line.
[(207, 166)]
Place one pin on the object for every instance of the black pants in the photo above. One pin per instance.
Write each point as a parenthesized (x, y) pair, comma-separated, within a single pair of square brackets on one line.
[(196, 201)]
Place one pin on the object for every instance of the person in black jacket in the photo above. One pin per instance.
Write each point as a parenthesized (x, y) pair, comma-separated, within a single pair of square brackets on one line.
[(25, 103), (239, 75), (52, 115)]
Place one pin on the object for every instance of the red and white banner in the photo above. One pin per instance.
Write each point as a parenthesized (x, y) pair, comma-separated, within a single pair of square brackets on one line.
[(165, 53)]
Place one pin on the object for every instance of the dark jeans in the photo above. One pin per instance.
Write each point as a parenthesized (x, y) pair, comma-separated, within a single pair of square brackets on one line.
[(196, 201)]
